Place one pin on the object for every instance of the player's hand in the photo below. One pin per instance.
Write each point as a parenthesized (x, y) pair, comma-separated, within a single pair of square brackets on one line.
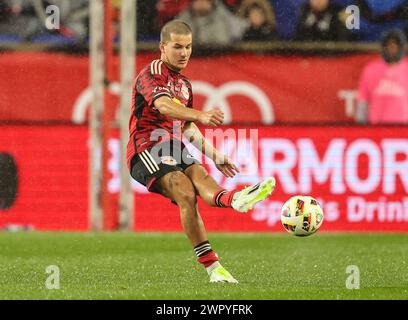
[(213, 117), (226, 166)]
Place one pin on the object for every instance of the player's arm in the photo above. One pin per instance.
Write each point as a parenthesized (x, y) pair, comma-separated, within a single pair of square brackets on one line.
[(194, 135), (172, 109), (222, 162)]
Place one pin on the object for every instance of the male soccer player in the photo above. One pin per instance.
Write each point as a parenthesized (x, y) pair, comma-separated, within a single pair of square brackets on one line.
[(162, 110)]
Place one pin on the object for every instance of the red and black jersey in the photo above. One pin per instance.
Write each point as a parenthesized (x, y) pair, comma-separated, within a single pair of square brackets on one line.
[(146, 123)]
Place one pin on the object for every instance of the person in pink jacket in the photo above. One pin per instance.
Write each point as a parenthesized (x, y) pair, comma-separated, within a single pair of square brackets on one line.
[(383, 88)]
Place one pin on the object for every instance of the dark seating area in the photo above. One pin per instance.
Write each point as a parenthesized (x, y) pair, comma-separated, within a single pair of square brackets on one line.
[(257, 20)]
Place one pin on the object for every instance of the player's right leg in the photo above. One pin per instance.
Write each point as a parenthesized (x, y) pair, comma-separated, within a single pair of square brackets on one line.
[(178, 187), (171, 182)]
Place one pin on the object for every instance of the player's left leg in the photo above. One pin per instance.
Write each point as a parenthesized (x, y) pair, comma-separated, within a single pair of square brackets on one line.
[(177, 187), (205, 184), (215, 196)]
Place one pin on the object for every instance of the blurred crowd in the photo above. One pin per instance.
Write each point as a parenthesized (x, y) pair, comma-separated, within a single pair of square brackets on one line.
[(24, 21), (214, 22)]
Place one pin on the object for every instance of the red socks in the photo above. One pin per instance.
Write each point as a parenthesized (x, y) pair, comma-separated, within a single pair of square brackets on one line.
[(208, 259), (205, 254), (223, 198)]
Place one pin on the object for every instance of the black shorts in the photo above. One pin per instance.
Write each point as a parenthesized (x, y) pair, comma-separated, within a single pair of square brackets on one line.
[(151, 164)]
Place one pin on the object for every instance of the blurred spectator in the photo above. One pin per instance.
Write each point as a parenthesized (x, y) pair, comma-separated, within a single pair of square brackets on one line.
[(116, 16), (379, 16), (168, 9), (261, 18), (25, 19), (146, 21), (383, 11), (320, 21), (18, 19), (3, 10), (383, 89), (403, 14), (74, 17), (212, 23), (232, 5)]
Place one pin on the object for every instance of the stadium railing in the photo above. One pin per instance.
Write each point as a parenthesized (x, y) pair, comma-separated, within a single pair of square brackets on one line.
[(282, 47)]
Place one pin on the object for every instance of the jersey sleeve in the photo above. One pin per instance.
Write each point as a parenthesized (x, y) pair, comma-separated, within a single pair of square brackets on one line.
[(152, 86)]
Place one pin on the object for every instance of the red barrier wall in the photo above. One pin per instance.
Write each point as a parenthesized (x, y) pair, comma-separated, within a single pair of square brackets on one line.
[(52, 163), (251, 87), (359, 174)]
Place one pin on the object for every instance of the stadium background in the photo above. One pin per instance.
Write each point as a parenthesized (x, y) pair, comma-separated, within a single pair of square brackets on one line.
[(60, 162), (306, 125)]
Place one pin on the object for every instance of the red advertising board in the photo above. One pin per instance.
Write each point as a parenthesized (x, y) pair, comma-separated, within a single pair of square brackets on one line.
[(52, 177), (248, 87), (359, 174)]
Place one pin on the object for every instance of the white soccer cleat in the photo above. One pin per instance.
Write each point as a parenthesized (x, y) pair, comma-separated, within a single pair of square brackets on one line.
[(245, 200), (220, 274)]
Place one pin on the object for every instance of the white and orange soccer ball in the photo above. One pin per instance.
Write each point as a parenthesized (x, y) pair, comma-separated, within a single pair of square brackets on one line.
[(301, 215)]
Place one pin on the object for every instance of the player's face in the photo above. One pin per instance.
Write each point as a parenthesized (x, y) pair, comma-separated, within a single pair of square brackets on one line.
[(393, 49), (177, 51)]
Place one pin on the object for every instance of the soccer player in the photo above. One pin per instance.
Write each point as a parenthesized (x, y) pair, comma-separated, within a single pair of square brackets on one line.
[(383, 89), (162, 111)]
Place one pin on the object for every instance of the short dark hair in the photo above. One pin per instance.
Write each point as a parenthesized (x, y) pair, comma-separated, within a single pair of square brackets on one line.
[(174, 26), (395, 35)]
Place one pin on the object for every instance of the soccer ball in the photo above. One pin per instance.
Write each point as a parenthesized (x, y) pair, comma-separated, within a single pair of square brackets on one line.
[(301, 216)]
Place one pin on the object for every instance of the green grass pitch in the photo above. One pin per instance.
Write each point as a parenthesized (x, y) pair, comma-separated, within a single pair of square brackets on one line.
[(162, 266)]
